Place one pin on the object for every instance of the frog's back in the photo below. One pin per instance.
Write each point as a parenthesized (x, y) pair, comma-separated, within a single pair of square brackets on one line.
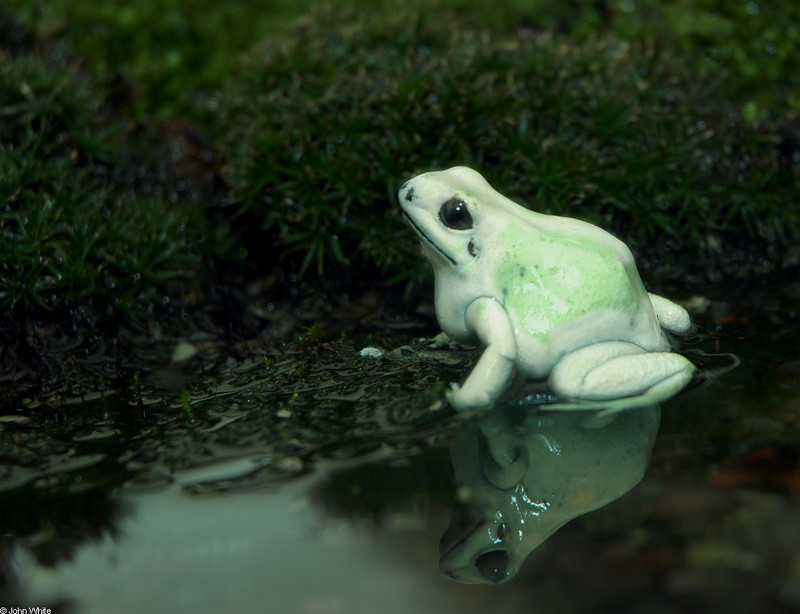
[(565, 290)]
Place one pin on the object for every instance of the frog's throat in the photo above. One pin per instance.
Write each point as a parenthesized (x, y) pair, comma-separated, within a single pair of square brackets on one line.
[(425, 238)]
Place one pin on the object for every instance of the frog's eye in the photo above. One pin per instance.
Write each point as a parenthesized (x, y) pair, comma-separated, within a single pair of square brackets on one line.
[(454, 214)]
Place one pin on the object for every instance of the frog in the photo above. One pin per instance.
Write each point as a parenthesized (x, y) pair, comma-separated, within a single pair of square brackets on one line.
[(553, 298), (522, 476)]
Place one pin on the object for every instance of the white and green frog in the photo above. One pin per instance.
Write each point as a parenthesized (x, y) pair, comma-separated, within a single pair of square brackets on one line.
[(557, 298)]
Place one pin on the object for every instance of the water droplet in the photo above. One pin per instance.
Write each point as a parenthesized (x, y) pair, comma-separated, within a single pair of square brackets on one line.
[(752, 8), (771, 48)]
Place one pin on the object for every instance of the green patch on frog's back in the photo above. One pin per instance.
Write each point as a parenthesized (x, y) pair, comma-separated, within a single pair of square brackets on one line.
[(547, 281)]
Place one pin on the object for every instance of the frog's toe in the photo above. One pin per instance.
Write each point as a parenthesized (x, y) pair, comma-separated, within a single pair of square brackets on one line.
[(597, 374), (671, 316), (441, 341), (462, 399)]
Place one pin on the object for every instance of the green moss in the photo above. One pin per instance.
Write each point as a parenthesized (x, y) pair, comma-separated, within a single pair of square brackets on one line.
[(69, 235), (749, 46), (180, 50), (670, 120), (176, 51), (324, 121)]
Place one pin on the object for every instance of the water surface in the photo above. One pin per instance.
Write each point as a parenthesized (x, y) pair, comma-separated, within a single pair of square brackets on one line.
[(326, 486)]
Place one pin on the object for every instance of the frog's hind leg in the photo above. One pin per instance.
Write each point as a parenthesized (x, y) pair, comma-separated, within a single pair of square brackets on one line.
[(612, 370)]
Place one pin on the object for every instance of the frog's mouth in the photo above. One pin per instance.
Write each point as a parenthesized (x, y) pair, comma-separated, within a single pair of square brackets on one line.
[(426, 239)]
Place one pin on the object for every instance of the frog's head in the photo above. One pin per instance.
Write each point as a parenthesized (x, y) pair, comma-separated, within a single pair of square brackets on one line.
[(447, 209), (495, 521)]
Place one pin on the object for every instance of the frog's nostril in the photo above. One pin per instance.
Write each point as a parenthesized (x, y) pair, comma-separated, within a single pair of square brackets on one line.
[(493, 565)]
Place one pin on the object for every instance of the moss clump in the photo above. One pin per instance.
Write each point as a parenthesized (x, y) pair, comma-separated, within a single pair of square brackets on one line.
[(750, 47), (324, 121), (70, 234), (175, 51), (164, 47)]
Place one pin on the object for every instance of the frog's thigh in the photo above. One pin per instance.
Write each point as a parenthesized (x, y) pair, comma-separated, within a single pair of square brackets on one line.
[(488, 319), (671, 316), (616, 369)]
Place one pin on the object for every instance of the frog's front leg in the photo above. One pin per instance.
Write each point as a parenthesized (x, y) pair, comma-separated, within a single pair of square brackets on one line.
[(488, 320), (612, 370)]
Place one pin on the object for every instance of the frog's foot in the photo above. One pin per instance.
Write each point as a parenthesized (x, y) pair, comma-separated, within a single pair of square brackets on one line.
[(469, 397), (672, 317), (615, 370), (441, 341)]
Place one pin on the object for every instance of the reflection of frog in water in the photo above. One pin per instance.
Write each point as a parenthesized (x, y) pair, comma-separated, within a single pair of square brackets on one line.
[(519, 483), (554, 297)]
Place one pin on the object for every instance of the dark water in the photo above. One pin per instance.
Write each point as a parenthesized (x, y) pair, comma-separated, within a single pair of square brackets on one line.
[(326, 485)]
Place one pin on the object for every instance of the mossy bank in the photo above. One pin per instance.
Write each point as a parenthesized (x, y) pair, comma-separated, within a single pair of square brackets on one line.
[(324, 121), (125, 200)]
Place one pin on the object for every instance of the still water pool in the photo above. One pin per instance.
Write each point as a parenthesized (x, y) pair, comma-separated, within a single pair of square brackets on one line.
[(326, 484)]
